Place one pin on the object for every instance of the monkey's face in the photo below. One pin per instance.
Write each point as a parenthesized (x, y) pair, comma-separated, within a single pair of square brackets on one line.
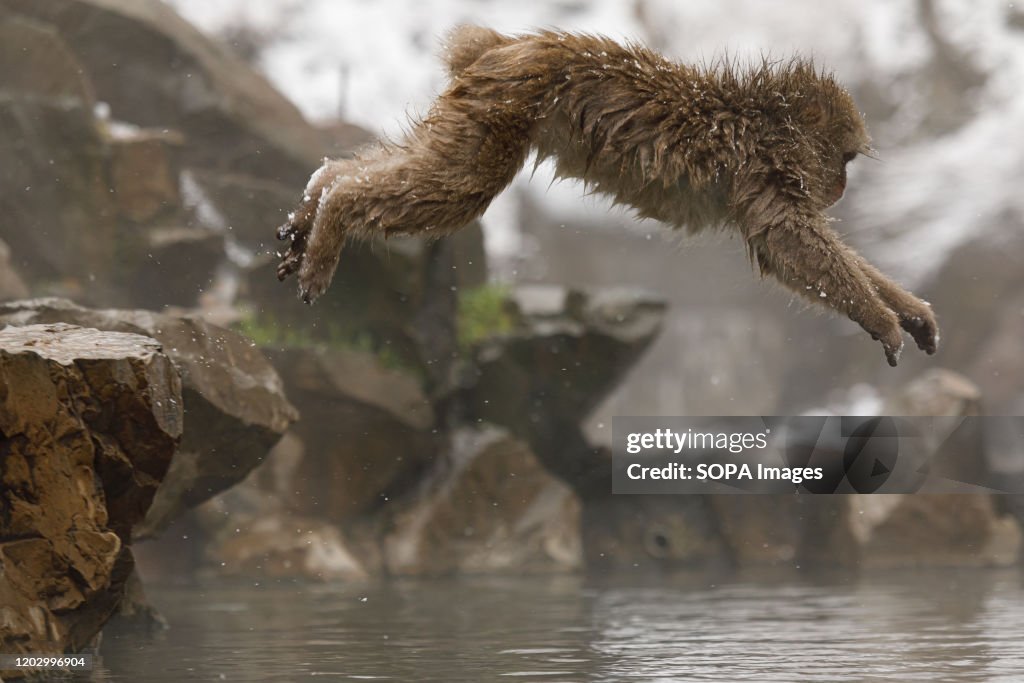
[(842, 137), (837, 185), (848, 140)]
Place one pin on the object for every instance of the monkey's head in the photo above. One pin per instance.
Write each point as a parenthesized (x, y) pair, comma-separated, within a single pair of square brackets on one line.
[(836, 131)]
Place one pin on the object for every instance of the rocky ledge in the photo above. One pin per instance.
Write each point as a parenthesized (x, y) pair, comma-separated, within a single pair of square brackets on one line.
[(234, 399), (89, 421)]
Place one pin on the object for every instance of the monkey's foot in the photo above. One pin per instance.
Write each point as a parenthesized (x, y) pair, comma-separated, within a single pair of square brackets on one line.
[(292, 258), (314, 278)]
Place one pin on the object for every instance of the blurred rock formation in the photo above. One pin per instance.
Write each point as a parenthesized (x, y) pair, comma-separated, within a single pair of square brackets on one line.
[(886, 531)]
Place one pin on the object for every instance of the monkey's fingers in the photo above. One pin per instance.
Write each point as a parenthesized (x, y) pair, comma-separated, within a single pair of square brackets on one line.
[(892, 342), (924, 330), (892, 353)]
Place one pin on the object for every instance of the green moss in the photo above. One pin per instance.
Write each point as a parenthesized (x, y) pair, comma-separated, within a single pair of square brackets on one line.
[(483, 313), (265, 331)]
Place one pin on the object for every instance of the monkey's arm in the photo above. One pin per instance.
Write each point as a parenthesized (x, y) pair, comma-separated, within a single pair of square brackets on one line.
[(805, 255)]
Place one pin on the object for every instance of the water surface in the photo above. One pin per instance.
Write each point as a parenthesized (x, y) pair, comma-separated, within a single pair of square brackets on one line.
[(936, 626)]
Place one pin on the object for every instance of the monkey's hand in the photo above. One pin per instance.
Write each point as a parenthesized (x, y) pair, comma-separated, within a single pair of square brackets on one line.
[(891, 337), (912, 314), (919, 321), (895, 308), (915, 316), (883, 326)]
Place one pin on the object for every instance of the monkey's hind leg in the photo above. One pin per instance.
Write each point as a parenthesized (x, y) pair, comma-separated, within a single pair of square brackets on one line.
[(443, 176)]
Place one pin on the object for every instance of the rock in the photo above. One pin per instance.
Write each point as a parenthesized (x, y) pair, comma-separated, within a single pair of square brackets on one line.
[(250, 206), (379, 288), (998, 365), (366, 431), (977, 293), (89, 422), (939, 530), (936, 392), (144, 172), (248, 152), (135, 612), (491, 507), (909, 530), (725, 360), (727, 340), (286, 546), (249, 530), (88, 234), (488, 506), (651, 534), (34, 61), (568, 350), (59, 230), (156, 70), (11, 284), (234, 401), (180, 264), (760, 530), (270, 542)]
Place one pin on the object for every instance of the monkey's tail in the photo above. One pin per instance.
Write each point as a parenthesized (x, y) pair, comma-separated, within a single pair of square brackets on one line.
[(465, 44)]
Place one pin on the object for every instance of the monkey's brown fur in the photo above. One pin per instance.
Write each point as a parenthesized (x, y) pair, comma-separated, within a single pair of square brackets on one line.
[(763, 149)]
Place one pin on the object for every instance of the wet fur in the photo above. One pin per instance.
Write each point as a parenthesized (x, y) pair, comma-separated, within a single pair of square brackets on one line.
[(763, 149)]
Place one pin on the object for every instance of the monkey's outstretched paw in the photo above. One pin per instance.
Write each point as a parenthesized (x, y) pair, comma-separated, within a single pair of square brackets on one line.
[(921, 325)]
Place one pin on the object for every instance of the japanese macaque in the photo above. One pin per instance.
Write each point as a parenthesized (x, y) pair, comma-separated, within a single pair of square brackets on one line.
[(762, 150)]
